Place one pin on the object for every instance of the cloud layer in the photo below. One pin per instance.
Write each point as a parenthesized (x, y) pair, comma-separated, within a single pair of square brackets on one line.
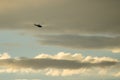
[(66, 17), (84, 41), (60, 64)]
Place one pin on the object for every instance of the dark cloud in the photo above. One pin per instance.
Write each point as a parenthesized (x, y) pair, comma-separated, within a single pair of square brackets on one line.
[(82, 42), (65, 16), (61, 63), (52, 63)]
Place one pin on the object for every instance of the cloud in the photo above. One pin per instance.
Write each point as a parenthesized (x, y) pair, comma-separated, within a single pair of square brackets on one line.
[(60, 64), (5, 56), (27, 79), (18, 11), (89, 42), (65, 16), (117, 74), (116, 50), (53, 63), (21, 79)]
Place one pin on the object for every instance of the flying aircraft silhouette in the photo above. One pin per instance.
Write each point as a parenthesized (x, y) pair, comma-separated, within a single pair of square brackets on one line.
[(38, 25)]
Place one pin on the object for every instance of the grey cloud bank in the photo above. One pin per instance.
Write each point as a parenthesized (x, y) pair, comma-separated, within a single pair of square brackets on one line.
[(66, 17), (59, 64), (37, 64), (80, 16), (82, 42)]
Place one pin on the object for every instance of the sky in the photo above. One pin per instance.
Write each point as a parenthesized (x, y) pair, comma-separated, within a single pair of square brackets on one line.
[(79, 40)]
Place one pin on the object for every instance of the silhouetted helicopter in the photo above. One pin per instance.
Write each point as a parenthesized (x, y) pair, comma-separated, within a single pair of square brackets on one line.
[(38, 25)]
